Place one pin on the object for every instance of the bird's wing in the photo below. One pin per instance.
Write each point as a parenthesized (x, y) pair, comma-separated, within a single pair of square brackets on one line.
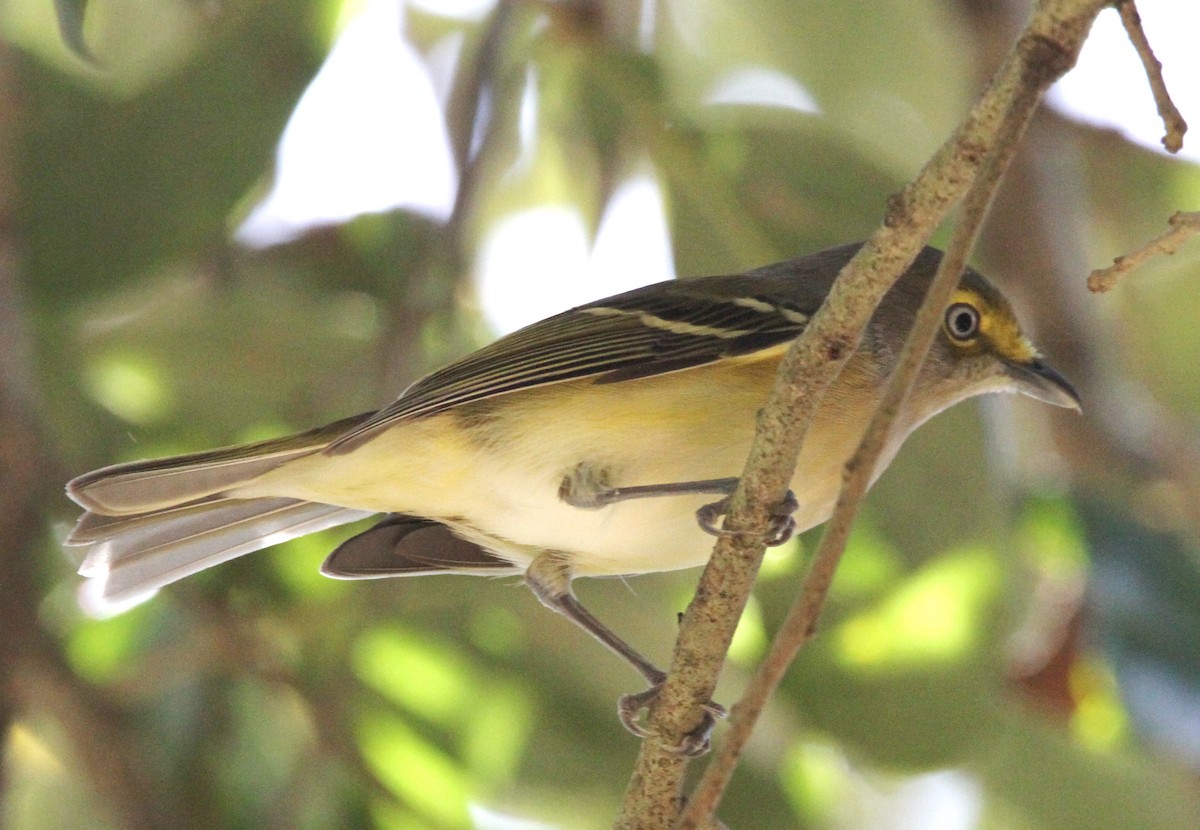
[(649, 331), (401, 545)]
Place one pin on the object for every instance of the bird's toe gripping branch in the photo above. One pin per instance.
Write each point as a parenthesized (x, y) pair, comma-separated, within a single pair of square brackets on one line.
[(781, 528)]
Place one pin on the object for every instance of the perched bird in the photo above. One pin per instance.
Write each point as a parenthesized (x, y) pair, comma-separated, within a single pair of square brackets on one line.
[(583, 445)]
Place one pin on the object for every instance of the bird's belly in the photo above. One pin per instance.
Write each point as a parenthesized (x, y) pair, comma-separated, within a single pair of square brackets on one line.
[(641, 536), (497, 478)]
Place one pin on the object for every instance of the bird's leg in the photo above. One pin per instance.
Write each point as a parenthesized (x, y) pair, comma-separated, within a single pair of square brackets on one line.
[(549, 577), (588, 488)]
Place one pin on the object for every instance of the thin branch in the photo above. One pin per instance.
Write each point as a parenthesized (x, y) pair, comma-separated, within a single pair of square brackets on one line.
[(1172, 119), (480, 124), (478, 113), (1183, 227), (1048, 47), (801, 621)]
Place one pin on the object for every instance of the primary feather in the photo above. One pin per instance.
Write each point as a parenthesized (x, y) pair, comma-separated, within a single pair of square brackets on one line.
[(653, 330)]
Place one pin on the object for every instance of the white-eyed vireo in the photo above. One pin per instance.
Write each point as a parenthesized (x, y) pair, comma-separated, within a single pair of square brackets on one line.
[(582, 445)]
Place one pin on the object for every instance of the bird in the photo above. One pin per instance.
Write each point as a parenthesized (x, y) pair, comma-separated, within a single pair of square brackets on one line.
[(591, 443)]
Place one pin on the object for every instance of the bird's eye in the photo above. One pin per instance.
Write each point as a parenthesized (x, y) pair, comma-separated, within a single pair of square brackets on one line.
[(962, 321)]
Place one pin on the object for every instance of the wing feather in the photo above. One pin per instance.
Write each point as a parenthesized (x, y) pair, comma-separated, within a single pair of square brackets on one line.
[(653, 330)]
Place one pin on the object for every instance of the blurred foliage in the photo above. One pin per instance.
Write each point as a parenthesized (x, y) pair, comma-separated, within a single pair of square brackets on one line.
[(154, 176), (962, 671)]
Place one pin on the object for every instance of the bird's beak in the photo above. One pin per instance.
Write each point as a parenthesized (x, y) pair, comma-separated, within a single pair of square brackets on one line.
[(1041, 382)]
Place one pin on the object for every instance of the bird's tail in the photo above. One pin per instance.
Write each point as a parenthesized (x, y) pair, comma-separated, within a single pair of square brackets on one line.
[(149, 523)]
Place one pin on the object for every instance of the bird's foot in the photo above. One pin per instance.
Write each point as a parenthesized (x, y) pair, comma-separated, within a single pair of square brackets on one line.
[(781, 528), (694, 744), (586, 487)]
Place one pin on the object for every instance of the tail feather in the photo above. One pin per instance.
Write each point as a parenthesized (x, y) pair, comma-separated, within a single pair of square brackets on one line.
[(97, 527), (138, 555), (146, 486), (150, 523)]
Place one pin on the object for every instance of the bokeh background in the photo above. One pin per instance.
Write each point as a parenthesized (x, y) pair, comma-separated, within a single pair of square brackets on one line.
[(1013, 641)]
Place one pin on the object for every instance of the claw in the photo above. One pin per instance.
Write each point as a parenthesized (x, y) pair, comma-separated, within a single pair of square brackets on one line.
[(780, 529), (629, 708), (710, 515), (694, 744), (782, 525)]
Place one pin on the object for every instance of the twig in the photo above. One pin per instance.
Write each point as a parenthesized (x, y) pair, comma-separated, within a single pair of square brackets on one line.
[(800, 624), (1172, 119), (1183, 227), (473, 119), (480, 119), (1047, 48)]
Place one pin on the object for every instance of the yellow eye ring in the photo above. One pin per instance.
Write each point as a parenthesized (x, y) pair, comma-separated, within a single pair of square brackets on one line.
[(962, 322)]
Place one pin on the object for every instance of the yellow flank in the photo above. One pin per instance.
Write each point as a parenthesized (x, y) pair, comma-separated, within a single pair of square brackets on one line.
[(772, 355), (499, 464), (413, 466)]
